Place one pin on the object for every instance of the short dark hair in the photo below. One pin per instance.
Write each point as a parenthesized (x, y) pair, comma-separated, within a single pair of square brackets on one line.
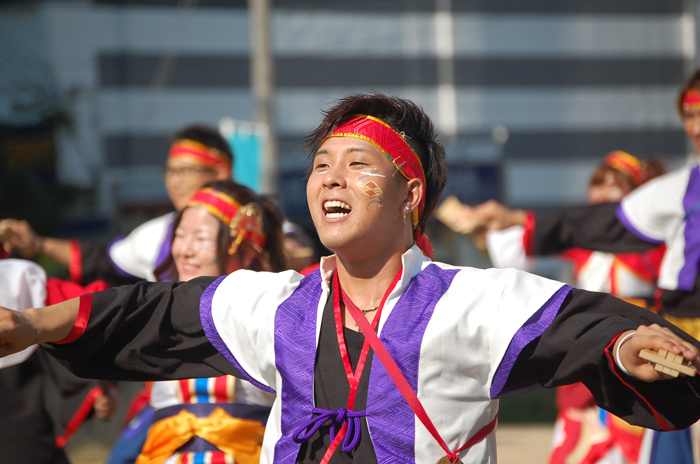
[(206, 135), (272, 226), (692, 83), (403, 116)]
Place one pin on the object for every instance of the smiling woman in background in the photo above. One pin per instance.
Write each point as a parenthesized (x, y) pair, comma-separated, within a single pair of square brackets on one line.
[(222, 228)]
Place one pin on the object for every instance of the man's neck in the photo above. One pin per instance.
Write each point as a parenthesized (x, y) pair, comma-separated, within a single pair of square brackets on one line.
[(365, 282)]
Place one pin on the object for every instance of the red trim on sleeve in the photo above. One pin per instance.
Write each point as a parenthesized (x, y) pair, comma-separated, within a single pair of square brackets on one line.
[(529, 235), (82, 320), (75, 263), (613, 367)]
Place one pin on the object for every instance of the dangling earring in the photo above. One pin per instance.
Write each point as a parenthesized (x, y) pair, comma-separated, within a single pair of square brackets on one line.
[(403, 220)]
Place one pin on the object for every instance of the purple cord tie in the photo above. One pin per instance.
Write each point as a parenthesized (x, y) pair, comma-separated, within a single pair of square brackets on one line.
[(338, 418)]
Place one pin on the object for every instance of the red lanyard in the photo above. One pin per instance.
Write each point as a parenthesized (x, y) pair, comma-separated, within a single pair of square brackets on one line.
[(403, 386), (353, 378)]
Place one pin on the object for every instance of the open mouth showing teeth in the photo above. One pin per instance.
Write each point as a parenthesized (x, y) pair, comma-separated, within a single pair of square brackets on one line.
[(336, 209)]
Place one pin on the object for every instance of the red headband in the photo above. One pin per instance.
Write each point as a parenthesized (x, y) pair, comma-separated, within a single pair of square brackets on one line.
[(198, 153), (389, 142), (217, 203), (691, 99), (399, 152), (627, 164), (244, 222)]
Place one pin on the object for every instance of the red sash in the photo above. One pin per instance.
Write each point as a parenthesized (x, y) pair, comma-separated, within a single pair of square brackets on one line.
[(393, 370)]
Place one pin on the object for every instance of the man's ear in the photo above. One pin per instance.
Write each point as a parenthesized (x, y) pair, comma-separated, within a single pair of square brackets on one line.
[(414, 194)]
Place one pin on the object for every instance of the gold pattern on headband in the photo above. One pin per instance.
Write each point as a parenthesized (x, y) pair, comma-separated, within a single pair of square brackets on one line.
[(248, 223)]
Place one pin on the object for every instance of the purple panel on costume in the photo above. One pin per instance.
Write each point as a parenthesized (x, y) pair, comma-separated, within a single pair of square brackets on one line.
[(390, 419), (295, 356), (533, 328), (629, 226), (119, 270), (165, 246), (213, 334), (691, 232)]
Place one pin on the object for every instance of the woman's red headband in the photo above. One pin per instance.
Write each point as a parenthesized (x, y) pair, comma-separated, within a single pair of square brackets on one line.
[(244, 222)]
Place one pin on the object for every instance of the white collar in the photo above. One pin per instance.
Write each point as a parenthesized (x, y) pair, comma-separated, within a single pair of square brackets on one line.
[(413, 261)]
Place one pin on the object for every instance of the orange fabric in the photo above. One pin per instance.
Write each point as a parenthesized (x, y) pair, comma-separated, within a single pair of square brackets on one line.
[(690, 325), (240, 438)]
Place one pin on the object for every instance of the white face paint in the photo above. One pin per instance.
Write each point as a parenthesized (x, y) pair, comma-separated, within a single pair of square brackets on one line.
[(369, 174)]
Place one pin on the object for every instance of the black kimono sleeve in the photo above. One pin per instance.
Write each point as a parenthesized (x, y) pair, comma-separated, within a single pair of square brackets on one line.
[(594, 227), (577, 347), (149, 331), (598, 228)]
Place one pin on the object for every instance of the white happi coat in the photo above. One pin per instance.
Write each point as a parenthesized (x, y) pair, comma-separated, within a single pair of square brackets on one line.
[(455, 333), (22, 286), (506, 249), (667, 210), (144, 249)]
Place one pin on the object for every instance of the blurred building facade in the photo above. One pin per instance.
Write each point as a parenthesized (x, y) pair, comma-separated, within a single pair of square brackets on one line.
[(529, 95)]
